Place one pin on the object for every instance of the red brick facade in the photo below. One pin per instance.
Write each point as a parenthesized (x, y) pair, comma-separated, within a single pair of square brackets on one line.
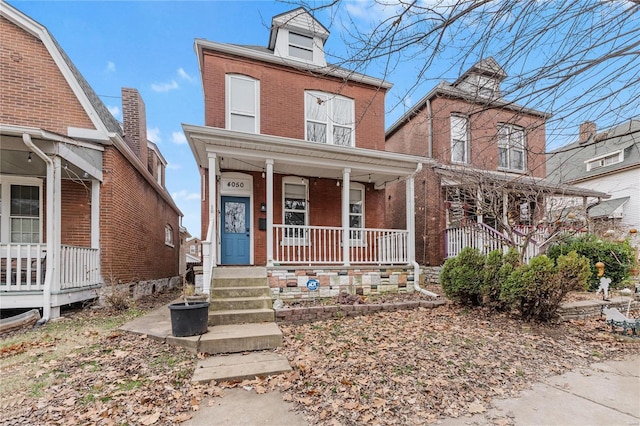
[(412, 137), (134, 212)]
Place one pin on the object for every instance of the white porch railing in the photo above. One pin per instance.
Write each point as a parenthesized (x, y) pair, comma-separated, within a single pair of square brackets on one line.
[(23, 267), (79, 267), (313, 245)]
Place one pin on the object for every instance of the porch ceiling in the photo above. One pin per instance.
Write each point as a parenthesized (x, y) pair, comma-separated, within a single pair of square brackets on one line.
[(460, 176), (249, 152)]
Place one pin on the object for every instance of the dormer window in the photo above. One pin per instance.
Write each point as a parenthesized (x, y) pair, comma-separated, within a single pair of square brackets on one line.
[(300, 46), (605, 160)]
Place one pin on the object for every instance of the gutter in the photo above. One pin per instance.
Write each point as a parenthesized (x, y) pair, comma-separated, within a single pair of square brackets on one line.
[(46, 291), (412, 218)]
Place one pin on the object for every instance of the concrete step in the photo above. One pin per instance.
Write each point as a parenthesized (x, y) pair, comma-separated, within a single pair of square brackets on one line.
[(240, 338), (239, 272), (227, 292), (232, 303), (241, 316), (239, 282), (240, 367)]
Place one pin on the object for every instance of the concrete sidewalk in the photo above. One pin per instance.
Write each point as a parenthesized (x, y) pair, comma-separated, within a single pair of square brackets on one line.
[(606, 393)]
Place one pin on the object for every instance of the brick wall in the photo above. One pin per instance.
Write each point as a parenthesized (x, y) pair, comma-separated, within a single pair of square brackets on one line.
[(34, 92), (132, 224), (76, 213), (412, 138), (282, 98)]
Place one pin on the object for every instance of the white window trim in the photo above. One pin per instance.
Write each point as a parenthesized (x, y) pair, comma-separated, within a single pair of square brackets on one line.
[(5, 207), (510, 147), (287, 241), (358, 241), (465, 160), (591, 162), (329, 123), (168, 235), (229, 113), (299, 46)]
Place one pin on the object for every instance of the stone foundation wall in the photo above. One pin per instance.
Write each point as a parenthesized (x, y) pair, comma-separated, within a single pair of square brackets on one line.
[(289, 284), (318, 313), (138, 289)]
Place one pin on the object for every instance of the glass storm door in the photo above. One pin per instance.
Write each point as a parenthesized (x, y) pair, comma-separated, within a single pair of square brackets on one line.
[(235, 231)]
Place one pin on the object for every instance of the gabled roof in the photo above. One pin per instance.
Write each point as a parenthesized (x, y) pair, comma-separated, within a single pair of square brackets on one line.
[(299, 20), (102, 119), (568, 164), (487, 67)]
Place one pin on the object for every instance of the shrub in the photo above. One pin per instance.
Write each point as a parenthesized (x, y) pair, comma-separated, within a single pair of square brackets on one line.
[(498, 267), (618, 257), (462, 276), (536, 290)]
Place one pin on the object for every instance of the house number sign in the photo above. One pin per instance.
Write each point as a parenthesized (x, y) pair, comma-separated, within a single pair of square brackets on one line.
[(235, 185)]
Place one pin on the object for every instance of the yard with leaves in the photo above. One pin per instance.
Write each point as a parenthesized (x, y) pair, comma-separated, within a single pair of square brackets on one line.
[(402, 367)]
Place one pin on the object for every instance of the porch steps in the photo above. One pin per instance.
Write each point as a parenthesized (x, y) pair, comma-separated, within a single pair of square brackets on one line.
[(240, 367), (236, 338)]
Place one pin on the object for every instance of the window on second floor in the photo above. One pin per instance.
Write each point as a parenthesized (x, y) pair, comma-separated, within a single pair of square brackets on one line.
[(300, 46), (605, 160), (511, 148), (243, 103), (329, 118), (168, 235), (459, 139)]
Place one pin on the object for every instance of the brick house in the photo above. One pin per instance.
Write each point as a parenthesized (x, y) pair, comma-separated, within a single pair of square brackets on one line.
[(488, 185), (78, 189), (294, 167)]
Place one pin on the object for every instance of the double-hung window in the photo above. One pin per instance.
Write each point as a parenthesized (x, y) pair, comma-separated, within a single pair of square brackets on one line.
[(605, 160), (356, 211), (459, 139), (511, 148), (300, 46), (295, 207), (20, 212), (168, 235), (243, 103), (329, 118)]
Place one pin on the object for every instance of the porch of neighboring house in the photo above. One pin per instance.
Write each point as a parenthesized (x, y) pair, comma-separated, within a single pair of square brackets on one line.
[(49, 220), (498, 211), (303, 210)]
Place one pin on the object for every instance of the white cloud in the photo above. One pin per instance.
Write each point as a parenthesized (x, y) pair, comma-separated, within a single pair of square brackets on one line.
[(173, 166), (115, 111), (186, 195), (111, 67), (178, 138), (182, 73), (153, 134), (165, 87)]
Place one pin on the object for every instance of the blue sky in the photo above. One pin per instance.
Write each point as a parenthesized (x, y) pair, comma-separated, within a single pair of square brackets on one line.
[(148, 45)]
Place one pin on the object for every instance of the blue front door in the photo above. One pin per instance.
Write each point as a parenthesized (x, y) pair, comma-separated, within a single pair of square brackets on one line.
[(235, 231)]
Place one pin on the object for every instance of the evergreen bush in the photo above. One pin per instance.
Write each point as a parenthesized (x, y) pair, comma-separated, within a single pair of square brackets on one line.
[(462, 276)]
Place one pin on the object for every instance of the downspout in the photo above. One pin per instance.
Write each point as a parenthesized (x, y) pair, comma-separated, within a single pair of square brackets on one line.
[(411, 216), (46, 303)]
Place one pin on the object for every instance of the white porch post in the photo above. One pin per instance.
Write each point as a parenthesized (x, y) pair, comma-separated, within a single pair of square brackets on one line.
[(411, 219), (345, 216), (95, 214), (209, 246), (480, 198), (54, 237), (269, 202)]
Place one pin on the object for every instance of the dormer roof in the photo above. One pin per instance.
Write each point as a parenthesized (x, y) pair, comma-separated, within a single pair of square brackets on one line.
[(482, 79), (299, 36)]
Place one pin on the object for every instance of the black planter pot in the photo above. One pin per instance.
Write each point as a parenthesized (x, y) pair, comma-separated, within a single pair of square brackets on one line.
[(189, 320)]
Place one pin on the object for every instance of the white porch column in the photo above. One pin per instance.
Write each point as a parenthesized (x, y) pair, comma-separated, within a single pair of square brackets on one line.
[(411, 219), (95, 214), (505, 208), (210, 243), (54, 237), (345, 216), (480, 198), (269, 202)]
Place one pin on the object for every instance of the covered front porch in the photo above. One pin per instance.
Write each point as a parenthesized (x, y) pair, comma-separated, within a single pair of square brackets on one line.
[(49, 220), (489, 211), (304, 209)]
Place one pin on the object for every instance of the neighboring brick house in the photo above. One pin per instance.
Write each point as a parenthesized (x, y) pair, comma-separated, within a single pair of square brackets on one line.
[(193, 251), (293, 164), (607, 161), (489, 180), (83, 197)]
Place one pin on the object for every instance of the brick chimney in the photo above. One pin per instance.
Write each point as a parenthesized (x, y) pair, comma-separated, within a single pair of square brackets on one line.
[(134, 119), (587, 129)]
